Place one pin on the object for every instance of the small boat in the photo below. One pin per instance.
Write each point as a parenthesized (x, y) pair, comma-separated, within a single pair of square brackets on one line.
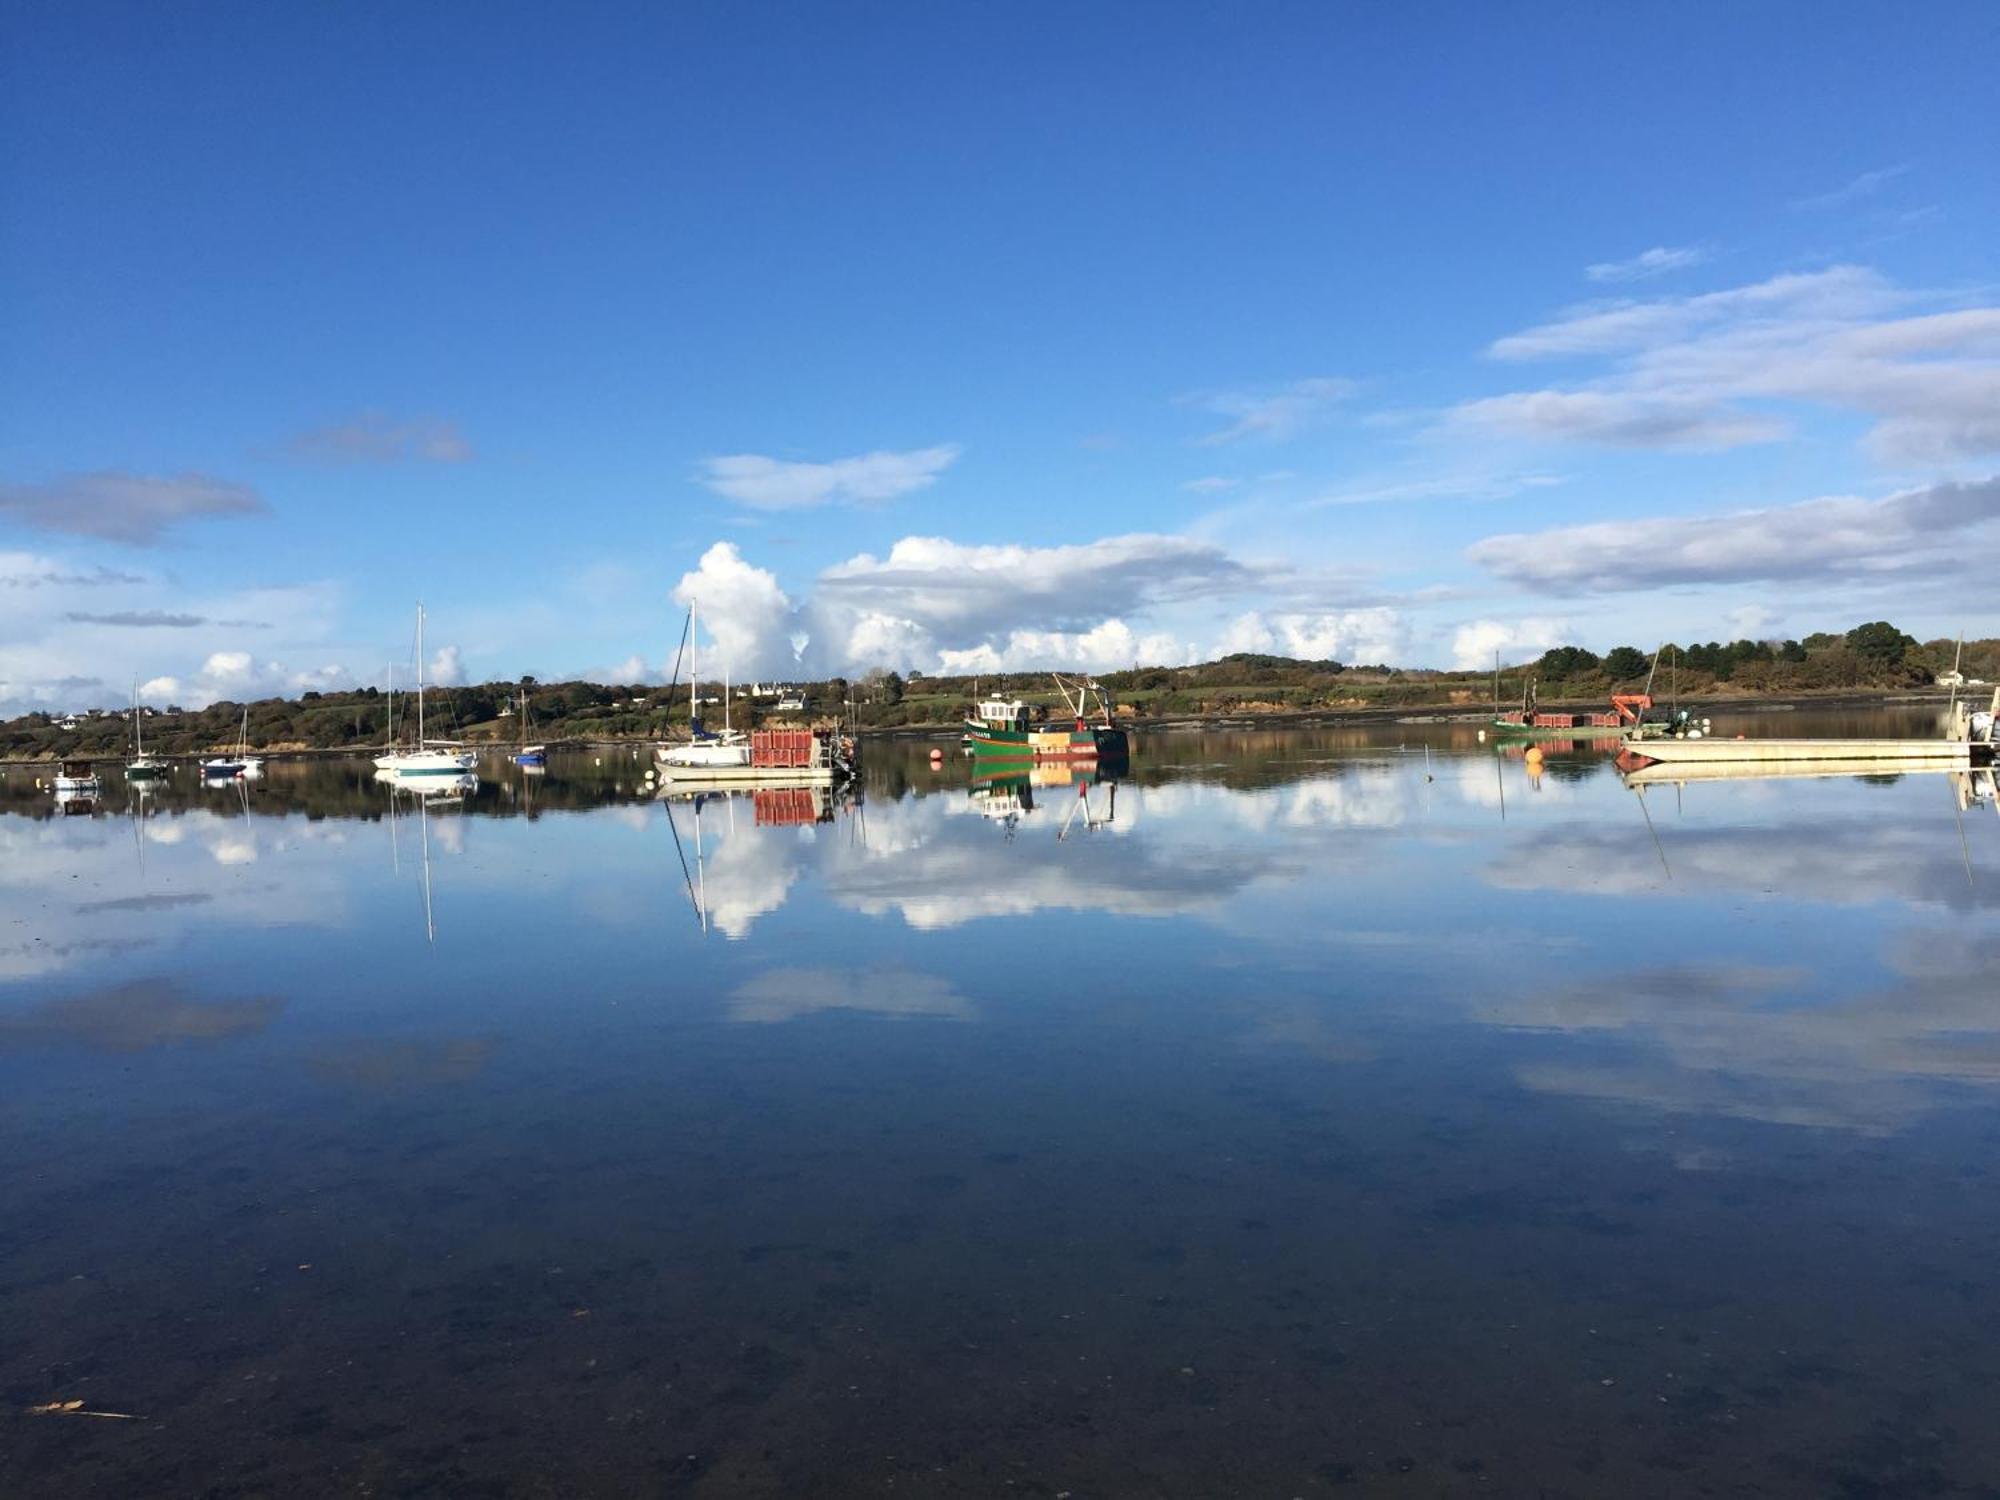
[(77, 778), (141, 767), (1003, 730), (430, 757), (242, 763), (526, 754), (705, 752)]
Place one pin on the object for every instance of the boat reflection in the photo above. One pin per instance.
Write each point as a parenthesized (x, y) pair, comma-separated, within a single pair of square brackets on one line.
[(1010, 799), (430, 789)]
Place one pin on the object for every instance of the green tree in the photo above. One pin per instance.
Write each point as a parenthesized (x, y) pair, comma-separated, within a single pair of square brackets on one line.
[(1560, 662), (1879, 642), (1624, 662)]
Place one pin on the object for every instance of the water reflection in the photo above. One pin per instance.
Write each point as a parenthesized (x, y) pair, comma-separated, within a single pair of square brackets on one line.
[(1058, 1128)]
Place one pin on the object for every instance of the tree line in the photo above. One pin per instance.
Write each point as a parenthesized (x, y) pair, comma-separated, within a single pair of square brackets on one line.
[(1875, 655)]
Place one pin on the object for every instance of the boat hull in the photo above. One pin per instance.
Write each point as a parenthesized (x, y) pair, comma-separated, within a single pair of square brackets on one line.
[(1045, 744), (1713, 750), (428, 763)]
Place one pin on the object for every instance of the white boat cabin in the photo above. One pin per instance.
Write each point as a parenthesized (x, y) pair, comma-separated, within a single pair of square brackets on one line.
[(999, 713)]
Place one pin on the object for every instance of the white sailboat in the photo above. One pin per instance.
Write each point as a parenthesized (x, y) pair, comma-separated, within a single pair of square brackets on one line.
[(704, 750), (430, 757), (141, 767), (242, 763)]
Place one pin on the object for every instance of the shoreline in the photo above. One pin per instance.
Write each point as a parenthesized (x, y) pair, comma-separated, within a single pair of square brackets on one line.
[(1316, 718)]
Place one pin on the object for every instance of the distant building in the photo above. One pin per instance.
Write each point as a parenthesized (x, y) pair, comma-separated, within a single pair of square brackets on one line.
[(69, 721), (1951, 679)]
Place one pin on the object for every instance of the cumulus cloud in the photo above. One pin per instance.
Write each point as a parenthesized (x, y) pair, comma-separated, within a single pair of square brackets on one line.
[(445, 668), (133, 508), (743, 612), (936, 604), (238, 676), (1275, 414), (1371, 635), (376, 438), (1103, 648), (777, 484), (1474, 645), (1647, 263), (978, 590), (1934, 528), (1702, 371)]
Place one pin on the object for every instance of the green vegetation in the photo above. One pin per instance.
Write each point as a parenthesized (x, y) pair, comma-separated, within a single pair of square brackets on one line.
[(1871, 656)]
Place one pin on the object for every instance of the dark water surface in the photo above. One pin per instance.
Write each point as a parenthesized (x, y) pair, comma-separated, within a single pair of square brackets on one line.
[(1293, 1118)]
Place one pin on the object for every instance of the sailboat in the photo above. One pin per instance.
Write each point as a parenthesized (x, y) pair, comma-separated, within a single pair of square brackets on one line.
[(431, 757), (142, 767), (528, 755), (705, 750), (242, 763)]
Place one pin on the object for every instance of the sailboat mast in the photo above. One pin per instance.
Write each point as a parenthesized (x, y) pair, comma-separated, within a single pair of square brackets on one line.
[(694, 673), (420, 675), (139, 727)]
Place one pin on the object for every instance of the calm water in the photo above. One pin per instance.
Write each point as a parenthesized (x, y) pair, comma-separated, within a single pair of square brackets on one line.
[(1295, 1116)]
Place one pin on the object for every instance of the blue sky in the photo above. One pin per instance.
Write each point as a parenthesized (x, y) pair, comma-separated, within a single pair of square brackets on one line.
[(953, 337)]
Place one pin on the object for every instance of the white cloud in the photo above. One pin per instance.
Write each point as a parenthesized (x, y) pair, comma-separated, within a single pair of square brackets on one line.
[(1684, 369), (1450, 486), (1647, 263), (1356, 635), (1104, 648), (777, 484), (375, 437), (445, 668), (134, 508), (1621, 420), (75, 637), (962, 589), (1936, 529), (745, 616), (1864, 185), (1474, 644), (1837, 295), (1275, 415), (1751, 622)]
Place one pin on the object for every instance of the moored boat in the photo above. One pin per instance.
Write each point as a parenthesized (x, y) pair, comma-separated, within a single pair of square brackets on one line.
[(141, 767), (242, 763), (77, 777), (1000, 730), (430, 757), (704, 752), (772, 757)]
